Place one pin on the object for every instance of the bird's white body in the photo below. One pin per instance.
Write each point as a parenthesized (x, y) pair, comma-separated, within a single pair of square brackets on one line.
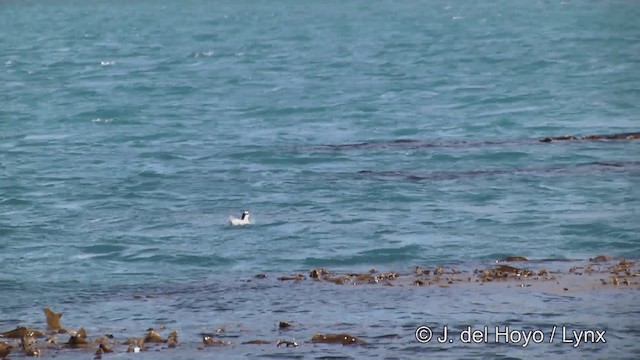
[(244, 220)]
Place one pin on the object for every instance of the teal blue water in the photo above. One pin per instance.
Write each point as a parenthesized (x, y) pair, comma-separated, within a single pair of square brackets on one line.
[(359, 134)]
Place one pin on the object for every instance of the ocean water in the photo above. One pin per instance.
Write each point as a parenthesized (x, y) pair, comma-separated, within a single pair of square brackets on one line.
[(360, 134)]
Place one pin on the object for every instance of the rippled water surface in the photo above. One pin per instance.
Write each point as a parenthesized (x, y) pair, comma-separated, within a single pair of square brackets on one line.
[(359, 134)]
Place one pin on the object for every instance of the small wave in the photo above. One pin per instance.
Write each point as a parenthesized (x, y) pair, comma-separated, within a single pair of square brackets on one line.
[(160, 155), (7, 285), (370, 257), (149, 174), (451, 175), (85, 256), (177, 259), (46, 137), (207, 53), (15, 201), (103, 249), (5, 231)]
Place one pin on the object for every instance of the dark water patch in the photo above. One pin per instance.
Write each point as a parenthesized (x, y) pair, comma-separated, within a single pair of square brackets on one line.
[(6, 231), (622, 166), (380, 144), (183, 90), (103, 249), (410, 144), (160, 155), (150, 174), (348, 221), (8, 285), (441, 175), (281, 355), (407, 144), (610, 164), (503, 156)]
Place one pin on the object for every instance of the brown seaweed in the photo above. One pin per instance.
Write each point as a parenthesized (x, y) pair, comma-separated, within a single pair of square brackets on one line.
[(21, 332), (78, 340), (53, 320), (27, 345), (172, 340), (5, 349), (538, 274), (153, 337), (209, 340)]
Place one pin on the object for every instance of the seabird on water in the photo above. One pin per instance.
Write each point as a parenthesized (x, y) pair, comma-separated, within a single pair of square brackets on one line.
[(244, 220)]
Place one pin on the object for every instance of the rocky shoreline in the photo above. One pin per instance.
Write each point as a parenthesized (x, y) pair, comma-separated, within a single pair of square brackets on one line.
[(504, 275)]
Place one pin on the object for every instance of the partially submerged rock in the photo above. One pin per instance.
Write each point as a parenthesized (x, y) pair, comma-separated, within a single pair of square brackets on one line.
[(78, 340), (297, 277), (5, 349), (105, 348), (172, 340), (209, 340), (601, 258), (344, 339), (135, 345), (620, 136), (153, 337), (318, 273), (284, 324), (28, 346), (513, 258), (256, 342), (21, 332)]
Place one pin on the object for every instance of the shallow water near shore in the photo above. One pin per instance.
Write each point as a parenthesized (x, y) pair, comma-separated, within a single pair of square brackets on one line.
[(359, 135), (384, 317)]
